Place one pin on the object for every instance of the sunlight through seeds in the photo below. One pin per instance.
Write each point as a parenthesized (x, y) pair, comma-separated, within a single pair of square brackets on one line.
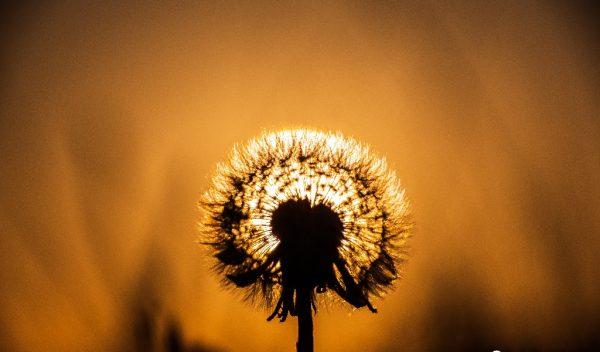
[(292, 168)]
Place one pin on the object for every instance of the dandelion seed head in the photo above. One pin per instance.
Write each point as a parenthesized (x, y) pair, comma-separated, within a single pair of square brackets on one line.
[(319, 195)]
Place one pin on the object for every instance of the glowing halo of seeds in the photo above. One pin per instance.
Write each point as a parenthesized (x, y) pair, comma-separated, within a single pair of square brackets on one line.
[(321, 168)]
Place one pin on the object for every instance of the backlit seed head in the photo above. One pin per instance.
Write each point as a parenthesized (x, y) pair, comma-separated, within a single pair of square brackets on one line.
[(305, 208)]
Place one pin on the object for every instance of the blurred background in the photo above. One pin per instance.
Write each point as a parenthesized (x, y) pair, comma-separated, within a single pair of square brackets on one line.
[(113, 117)]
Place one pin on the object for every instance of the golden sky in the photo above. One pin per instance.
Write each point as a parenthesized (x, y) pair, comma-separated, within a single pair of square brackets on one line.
[(114, 116)]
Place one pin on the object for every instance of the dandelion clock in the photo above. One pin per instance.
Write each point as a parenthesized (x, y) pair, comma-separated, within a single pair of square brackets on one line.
[(296, 217)]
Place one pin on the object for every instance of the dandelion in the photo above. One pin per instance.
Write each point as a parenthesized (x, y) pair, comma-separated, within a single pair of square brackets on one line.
[(298, 214)]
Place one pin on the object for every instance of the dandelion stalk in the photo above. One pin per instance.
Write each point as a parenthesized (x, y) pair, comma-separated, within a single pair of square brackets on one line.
[(298, 215), (305, 323)]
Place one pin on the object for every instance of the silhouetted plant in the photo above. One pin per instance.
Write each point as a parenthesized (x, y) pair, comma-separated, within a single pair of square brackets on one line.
[(297, 213)]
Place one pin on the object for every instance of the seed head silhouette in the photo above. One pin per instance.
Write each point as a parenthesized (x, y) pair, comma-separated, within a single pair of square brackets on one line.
[(298, 214)]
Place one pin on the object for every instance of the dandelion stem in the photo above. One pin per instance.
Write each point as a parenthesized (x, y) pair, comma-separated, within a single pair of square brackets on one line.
[(305, 323)]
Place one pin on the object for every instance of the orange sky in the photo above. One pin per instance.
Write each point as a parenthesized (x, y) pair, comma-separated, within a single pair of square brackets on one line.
[(113, 117)]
